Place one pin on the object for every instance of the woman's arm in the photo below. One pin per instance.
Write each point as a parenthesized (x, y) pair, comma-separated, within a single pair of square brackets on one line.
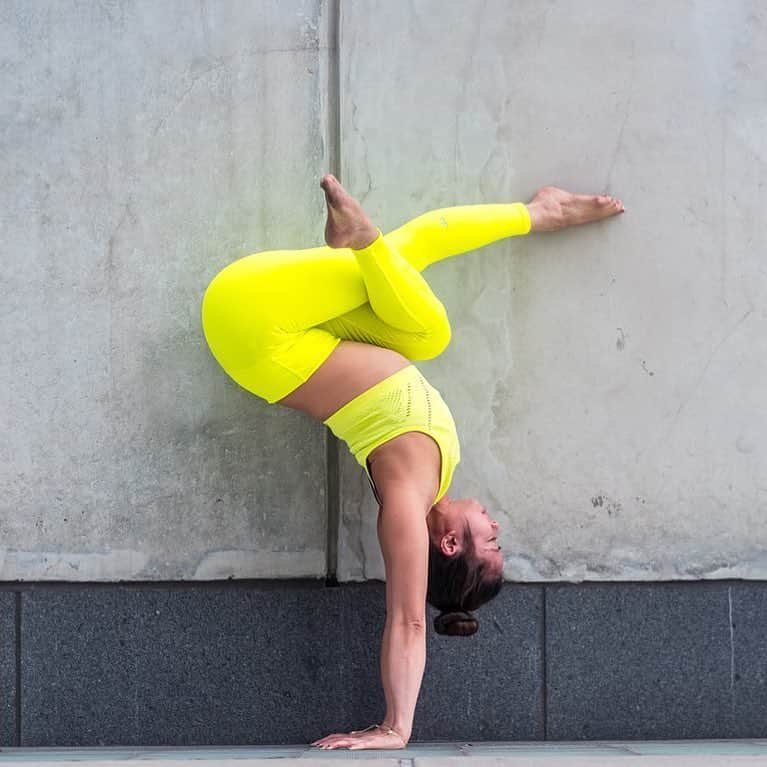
[(404, 538), (403, 658)]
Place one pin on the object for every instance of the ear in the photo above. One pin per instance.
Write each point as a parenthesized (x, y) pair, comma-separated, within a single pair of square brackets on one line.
[(449, 544)]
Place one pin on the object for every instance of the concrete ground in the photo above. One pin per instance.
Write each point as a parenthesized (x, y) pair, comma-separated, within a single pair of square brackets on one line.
[(708, 753)]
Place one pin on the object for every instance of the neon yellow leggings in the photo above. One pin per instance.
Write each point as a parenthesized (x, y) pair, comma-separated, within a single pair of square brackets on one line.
[(272, 318)]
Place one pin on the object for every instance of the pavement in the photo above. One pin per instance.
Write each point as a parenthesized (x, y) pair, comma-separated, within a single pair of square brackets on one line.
[(678, 753)]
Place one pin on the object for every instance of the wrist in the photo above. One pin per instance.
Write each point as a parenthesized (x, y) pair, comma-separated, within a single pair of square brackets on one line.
[(400, 728)]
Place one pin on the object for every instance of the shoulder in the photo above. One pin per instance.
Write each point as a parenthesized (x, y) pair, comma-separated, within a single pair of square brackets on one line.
[(407, 465)]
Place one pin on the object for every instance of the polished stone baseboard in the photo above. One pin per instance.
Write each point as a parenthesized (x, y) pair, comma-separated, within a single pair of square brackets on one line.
[(285, 662)]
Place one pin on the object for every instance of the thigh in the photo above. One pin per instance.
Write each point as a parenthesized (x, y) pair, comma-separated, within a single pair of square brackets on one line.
[(289, 289), (254, 338), (283, 362)]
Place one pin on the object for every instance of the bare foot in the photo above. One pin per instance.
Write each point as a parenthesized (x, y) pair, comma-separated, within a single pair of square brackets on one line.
[(348, 226), (554, 208)]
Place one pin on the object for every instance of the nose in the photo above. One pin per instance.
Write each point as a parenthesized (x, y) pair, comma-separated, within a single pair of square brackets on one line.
[(494, 524)]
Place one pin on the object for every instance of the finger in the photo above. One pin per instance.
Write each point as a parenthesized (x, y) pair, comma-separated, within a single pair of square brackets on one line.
[(327, 738), (332, 738), (336, 744)]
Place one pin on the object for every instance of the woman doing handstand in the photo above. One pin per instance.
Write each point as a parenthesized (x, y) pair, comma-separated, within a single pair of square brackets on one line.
[(332, 331)]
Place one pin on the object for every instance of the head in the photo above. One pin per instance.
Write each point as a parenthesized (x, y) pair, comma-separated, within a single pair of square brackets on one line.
[(465, 563)]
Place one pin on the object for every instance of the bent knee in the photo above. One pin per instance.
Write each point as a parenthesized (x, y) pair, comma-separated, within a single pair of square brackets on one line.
[(433, 343)]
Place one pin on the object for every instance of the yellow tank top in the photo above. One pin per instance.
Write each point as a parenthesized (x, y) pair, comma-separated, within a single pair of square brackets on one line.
[(405, 401)]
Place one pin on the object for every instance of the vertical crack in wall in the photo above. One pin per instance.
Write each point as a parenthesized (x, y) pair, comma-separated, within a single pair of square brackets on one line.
[(545, 671), (333, 490), (334, 87), (18, 669), (732, 651)]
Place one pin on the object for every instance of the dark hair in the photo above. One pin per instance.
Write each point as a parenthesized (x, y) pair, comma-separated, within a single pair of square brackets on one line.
[(458, 584)]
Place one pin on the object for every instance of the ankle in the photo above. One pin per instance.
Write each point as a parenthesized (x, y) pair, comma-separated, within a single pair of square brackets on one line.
[(364, 238), (544, 216)]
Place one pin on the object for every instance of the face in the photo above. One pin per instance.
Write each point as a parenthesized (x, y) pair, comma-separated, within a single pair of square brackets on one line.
[(447, 520)]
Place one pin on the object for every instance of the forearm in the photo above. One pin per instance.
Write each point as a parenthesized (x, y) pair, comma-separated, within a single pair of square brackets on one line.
[(403, 658)]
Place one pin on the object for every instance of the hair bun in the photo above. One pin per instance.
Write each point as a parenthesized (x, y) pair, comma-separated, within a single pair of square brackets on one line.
[(457, 623)]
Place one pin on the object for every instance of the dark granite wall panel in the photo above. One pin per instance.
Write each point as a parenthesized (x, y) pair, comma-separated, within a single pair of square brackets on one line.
[(287, 662), (154, 666), (647, 661), (257, 665), (748, 660), (8, 668)]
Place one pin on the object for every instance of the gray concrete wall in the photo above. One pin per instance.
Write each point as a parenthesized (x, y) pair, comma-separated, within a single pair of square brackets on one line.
[(145, 146), (607, 383)]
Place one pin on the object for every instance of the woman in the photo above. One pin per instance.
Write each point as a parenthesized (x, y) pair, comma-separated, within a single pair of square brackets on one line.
[(332, 331)]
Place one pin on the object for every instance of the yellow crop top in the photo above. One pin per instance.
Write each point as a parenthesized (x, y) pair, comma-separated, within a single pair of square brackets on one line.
[(405, 401)]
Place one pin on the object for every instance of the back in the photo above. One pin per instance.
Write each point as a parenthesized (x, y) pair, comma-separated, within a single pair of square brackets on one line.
[(404, 402)]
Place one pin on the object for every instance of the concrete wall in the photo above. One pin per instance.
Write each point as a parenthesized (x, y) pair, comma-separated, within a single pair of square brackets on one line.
[(145, 146), (607, 383)]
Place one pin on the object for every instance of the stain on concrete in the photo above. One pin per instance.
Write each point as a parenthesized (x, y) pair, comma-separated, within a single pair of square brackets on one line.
[(620, 343), (262, 563), (109, 564), (744, 445), (613, 508)]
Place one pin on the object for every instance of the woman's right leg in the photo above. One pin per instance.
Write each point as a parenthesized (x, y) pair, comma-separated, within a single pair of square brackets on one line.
[(430, 237), (390, 265), (446, 232)]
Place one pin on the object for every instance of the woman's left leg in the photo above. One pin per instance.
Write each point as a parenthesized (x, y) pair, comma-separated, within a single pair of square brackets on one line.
[(259, 315), (272, 318)]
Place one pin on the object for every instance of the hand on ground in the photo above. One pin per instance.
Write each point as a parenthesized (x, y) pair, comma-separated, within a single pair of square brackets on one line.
[(359, 739)]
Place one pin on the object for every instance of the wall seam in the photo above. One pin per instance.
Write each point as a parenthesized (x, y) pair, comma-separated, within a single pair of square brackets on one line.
[(332, 458), (545, 674), (18, 669)]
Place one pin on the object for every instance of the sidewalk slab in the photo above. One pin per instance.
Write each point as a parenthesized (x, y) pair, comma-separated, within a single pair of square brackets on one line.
[(702, 753)]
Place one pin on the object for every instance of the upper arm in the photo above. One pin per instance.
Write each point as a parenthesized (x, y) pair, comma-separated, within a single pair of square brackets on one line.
[(404, 538)]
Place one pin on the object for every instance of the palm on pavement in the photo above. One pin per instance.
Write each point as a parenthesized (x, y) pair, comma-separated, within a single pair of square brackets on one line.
[(359, 739)]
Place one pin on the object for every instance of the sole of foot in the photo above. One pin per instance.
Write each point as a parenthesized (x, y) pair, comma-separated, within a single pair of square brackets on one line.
[(552, 208), (347, 225)]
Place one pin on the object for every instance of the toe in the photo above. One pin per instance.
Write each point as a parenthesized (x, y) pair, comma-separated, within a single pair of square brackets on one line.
[(328, 182)]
